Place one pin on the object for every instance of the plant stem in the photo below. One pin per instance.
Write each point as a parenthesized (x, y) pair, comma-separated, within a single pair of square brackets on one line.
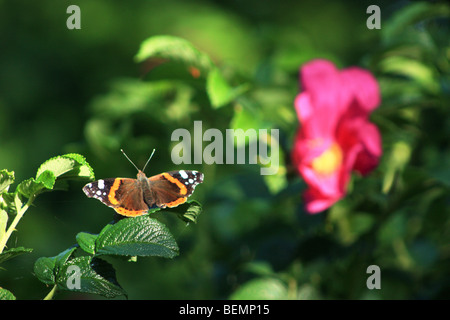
[(12, 227), (50, 295)]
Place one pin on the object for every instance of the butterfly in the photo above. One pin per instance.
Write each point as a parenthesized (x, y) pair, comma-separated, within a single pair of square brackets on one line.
[(134, 197)]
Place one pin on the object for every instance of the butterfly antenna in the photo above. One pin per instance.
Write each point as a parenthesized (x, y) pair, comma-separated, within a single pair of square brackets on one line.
[(129, 159), (148, 160)]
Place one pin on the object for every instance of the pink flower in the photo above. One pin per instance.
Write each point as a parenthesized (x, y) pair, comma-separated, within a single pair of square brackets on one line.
[(335, 136)]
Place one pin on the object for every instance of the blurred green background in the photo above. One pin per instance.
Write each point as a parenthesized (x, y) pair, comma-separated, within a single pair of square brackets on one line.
[(80, 91)]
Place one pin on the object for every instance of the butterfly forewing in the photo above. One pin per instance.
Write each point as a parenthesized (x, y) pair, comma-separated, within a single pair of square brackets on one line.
[(100, 190)]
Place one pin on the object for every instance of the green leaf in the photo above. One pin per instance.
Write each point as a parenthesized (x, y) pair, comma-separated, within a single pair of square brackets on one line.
[(96, 276), (175, 49), (7, 201), (69, 166), (419, 72), (6, 295), (188, 211), (219, 91), (6, 179), (140, 236), (82, 168), (46, 269), (47, 178), (261, 289), (30, 187), (13, 252), (86, 241)]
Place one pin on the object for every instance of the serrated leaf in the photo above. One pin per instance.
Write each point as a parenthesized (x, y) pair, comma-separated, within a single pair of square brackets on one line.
[(140, 236), (57, 165), (13, 252), (86, 241), (6, 294), (96, 276), (83, 170), (176, 49), (46, 269), (188, 211), (30, 187), (6, 179), (70, 165)]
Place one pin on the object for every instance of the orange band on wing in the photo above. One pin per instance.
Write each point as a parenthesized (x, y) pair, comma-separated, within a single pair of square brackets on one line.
[(176, 202), (112, 192), (130, 213), (183, 189)]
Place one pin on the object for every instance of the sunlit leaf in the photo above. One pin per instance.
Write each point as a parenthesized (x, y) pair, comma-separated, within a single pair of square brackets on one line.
[(6, 179), (261, 289), (140, 236), (6, 294), (176, 49)]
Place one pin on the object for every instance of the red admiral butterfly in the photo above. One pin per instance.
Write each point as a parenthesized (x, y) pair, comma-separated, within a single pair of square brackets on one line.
[(134, 197)]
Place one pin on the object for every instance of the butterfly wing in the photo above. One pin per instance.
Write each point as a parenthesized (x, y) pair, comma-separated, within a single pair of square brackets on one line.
[(122, 194), (170, 189)]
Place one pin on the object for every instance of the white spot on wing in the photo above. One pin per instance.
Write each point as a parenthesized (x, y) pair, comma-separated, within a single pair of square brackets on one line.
[(183, 174), (101, 184)]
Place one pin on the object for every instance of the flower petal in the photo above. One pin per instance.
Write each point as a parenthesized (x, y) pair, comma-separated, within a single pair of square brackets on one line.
[(370, 154), (361, 85), (316, 202), (321, 81)]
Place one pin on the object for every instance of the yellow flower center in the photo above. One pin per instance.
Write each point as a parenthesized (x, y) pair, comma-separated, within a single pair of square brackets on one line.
[(329, 161)]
